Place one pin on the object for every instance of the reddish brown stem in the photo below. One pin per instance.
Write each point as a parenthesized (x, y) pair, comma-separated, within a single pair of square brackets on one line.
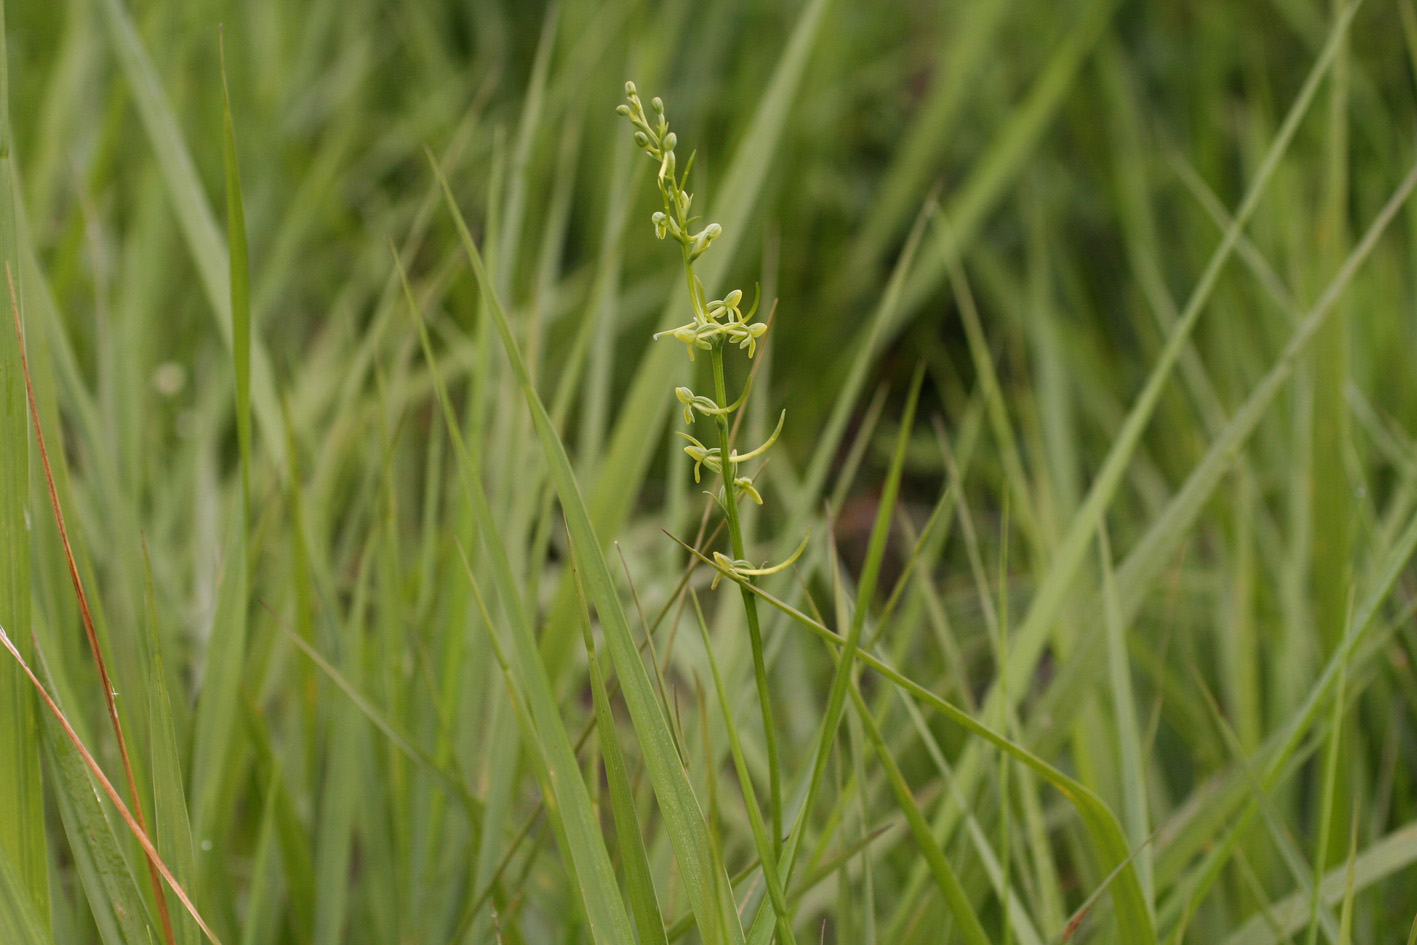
[(87, 616)]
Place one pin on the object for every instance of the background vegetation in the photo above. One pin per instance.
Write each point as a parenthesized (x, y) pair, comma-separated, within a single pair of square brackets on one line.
[(1110, 640)]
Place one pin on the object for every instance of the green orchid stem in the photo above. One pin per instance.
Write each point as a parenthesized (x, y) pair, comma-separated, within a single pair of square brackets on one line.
[(750, 602)]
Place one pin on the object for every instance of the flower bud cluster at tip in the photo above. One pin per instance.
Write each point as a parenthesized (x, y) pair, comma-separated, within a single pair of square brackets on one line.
[(714, 321)]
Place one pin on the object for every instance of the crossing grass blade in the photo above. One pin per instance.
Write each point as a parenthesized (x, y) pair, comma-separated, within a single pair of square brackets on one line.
[(72, 739), (1382, 859), (1277, 755), (1109, 843), (118, 908), (836, 698), (688, 831), (644, 902), (544, 732)]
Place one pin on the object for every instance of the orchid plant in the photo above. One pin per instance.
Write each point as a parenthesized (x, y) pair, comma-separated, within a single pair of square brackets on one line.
[(715, 325)]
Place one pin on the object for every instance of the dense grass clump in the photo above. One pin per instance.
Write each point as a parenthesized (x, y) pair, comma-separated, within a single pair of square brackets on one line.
[(355, 586)]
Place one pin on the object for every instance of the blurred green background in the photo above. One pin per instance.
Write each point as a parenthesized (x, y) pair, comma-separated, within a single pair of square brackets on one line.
[(1164, 464)]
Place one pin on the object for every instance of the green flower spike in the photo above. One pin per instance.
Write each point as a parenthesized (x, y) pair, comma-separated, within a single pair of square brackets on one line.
[(715, 322)]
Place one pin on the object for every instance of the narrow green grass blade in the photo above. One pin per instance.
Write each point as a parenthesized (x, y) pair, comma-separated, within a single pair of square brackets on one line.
[(997, 169), (1332, 495), (837, 695), (761, 840), (708, 890), (112, 892), (1124, 710), (261, 911), (295, 841), (192, 209), (20, 924), (1109, 843), (644, 903), (1048, 599), (967, 924), (1345, 926), (334, 837), (239, 276), (171, 828), (545, 735), (1328, 795), (1057, 582), (1379, 861), (22, 826), (217, 724)]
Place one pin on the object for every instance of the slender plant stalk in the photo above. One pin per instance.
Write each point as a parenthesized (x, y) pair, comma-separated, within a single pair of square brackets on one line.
[(750, 607)]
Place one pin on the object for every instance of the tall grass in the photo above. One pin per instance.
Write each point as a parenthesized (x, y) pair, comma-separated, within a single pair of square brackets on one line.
[(1095, 330)]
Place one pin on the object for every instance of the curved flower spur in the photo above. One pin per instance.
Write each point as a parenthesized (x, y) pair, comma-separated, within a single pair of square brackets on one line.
[(714, 325)]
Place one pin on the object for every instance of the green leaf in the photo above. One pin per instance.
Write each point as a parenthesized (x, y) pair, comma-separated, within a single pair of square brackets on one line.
[(117, 903), (215, 733), (172, 832), (20, 924), (644, 902), (544, 732), (240, 279), (21, 799), (192, 210), (707, 887)]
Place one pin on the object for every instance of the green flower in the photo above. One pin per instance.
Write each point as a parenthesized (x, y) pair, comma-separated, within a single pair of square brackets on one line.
[(743, 570)]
